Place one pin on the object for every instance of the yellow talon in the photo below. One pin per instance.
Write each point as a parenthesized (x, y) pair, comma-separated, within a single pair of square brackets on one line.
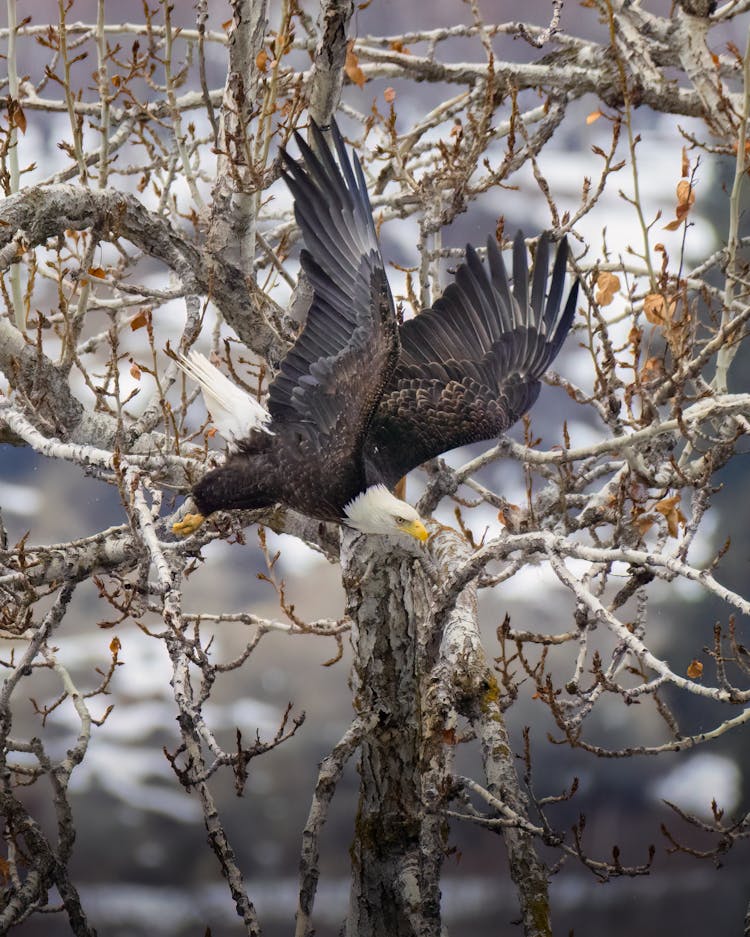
[(188, 525)]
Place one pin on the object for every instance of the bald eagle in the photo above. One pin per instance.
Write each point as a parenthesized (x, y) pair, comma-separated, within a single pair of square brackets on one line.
[(360, 399)]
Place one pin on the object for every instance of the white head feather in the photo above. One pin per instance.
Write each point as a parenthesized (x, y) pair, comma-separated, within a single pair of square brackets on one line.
[(377, 511), (234, 412)]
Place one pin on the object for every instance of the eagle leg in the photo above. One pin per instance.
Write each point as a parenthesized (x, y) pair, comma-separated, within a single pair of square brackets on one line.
[(188, 525)]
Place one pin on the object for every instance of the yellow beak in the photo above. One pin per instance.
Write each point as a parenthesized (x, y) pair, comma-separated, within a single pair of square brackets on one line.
[(415, 529)]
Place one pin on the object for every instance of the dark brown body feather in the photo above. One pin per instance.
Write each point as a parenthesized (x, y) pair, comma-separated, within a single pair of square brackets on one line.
[(357, 400)]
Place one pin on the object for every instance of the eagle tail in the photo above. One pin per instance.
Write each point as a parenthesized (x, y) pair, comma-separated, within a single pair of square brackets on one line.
[(235, 413)]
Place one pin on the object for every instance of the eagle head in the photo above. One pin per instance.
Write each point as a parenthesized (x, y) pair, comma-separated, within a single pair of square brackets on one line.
[(377, 511)]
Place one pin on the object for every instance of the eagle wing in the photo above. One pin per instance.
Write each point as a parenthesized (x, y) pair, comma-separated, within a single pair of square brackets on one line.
[(332, 378), (470, 365)]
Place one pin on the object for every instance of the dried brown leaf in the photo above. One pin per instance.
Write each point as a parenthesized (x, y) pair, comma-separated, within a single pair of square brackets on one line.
[(16, 115), (651, 370), (351, 66), (668, 507), (609, 282), (643, 523), (653, 307), (607, 285), (685, 193)]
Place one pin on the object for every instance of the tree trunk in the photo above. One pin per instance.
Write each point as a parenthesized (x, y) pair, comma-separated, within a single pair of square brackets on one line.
[(400, 833), (416, 675)]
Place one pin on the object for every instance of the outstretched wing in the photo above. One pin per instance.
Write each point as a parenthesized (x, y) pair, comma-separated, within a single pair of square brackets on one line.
[(331, 380), (470, 365)]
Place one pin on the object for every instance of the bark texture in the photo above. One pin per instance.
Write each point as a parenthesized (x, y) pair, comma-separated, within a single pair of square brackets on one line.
[(399, 840), (413, 677)]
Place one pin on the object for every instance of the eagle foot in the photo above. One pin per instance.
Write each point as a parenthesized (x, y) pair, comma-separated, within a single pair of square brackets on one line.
[(188, 525)]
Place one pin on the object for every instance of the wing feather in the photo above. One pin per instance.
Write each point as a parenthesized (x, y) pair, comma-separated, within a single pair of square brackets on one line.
[(541, 271), (331, 380), (471, 365), (521, 280)]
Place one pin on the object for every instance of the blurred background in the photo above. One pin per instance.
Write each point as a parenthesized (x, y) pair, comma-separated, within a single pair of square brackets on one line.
[(141, 859)]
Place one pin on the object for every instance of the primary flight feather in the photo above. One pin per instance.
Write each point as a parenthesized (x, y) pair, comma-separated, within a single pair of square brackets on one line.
[(359, 400)]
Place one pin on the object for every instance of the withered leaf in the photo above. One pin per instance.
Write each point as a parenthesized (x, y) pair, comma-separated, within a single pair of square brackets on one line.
[(651, 370), (351, 66), (643, 523), (607, 285), (653, 307), (139, 321), (685, 193), (16, 115), (668, 507)]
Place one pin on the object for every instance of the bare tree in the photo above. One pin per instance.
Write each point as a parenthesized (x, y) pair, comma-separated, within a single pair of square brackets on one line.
[(165, 170)]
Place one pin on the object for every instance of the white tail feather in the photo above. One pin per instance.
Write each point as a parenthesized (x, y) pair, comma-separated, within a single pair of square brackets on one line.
[(235, 413)]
